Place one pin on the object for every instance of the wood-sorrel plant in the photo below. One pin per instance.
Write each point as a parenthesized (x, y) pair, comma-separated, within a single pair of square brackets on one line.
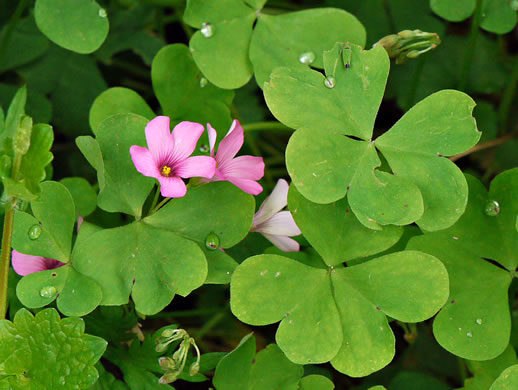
[(346, 169)]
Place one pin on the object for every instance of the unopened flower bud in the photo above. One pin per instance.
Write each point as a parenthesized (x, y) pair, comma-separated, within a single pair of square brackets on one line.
[(22, 137), (168, 377), (161, 347), (194, 369), (167, 364), (408, 44)]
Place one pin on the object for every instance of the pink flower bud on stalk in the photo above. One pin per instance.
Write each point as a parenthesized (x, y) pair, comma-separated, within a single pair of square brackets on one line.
[(408, 44), (275, 225)]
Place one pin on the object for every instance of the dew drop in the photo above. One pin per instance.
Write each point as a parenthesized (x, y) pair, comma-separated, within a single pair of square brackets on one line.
[(479, 321), (207, 30), (330, 82), (492, 208), (307, 58), (34, 232), (212, 241), (48, 292), (102, 13), (204, 148), (203, 82), (469, 334)]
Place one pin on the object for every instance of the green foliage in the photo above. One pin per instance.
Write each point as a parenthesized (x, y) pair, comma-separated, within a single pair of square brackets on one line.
[(44, 351)]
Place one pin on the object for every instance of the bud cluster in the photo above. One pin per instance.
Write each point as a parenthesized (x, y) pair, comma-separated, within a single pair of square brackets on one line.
[(408, 44)]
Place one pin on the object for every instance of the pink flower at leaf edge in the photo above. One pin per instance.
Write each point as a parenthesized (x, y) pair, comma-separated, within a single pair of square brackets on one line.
[(275, 225), (167, 156), (27, 264), (242, 171)]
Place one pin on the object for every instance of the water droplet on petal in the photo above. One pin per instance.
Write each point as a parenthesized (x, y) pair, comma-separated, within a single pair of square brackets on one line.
[(207, 30), (492, 208), (479, 321), (204, 148), (330, 82), (34, 232), (212, 241), (469, 334), (203, 82), (307, 58), (48, 292), (102, 13)]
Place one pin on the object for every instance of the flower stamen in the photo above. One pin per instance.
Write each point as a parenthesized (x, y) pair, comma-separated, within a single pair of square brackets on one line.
[(165, 171)]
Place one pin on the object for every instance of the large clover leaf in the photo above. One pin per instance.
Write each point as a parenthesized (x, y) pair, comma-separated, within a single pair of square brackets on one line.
[(46, 352), (476, 324), (228, 40), (338, 314), (424, 187), (160, 256), (242, 369), (487, 371)]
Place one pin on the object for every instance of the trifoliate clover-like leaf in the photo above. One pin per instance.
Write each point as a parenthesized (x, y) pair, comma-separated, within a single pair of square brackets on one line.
[(325, 165), (508, 380), (242, 369), (46, 352), (338, 314), (475, 324), (84, 195)]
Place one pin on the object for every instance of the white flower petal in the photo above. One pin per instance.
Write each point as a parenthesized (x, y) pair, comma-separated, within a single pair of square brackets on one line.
[(274, 203)]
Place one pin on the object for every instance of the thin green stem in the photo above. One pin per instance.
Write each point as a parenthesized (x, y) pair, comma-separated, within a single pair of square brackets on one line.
[(4, 40), (260, 126), (507, 99), (159, 206), (131, 68), (470, 51), (6, 257), (211, 323), (155, 199), (463, 372)]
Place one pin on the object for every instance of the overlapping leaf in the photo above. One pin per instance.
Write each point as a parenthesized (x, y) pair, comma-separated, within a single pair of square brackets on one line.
[(476, 324), (325, 165), (227, 35), (486, 372), (242, 369), (46, 352), (332, 313)]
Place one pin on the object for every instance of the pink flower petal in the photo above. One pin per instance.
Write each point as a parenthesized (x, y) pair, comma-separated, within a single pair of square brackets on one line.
[(144, 162), (27, 264), (274, 203), (185, 136), (198, 166), (172, 187), (212, 138), (281, 223), (284, 243), (243, 167), (231, 144), (159, 139), (249, 186)]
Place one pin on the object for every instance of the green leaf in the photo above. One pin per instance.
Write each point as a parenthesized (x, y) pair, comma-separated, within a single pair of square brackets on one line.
[(156, 265), (14, 113), (406, 380), (497, 16), (49, 232), (315, 382), (453, 11), (92, 152), (220, 266), (334, 231), (349, 108), (508, 380), (85, 197), (46, 352), (107, 381), (338, 314), (125, 189), (233, 371), (115, 101), (206, 209), (175, 75), (77, 295), (281, 40), (486, 372), (446, 127), (475, 324), (80, 26)]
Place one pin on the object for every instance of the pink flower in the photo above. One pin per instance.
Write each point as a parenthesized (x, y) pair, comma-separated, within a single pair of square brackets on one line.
[(167, 158), (27, 264), (242, 171), (275, 225)]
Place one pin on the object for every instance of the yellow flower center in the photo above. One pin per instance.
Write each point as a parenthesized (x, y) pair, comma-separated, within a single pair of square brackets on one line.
[(166, 171)]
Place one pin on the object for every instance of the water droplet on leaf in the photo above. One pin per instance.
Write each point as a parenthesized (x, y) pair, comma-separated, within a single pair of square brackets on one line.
[(212, 241), (469, 334), (34, 232), (307, 58), (102, 13), (492, 208), (330, 82), (204, 148), (48, 292), (207, 30), (203, 82), (479, 321)]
